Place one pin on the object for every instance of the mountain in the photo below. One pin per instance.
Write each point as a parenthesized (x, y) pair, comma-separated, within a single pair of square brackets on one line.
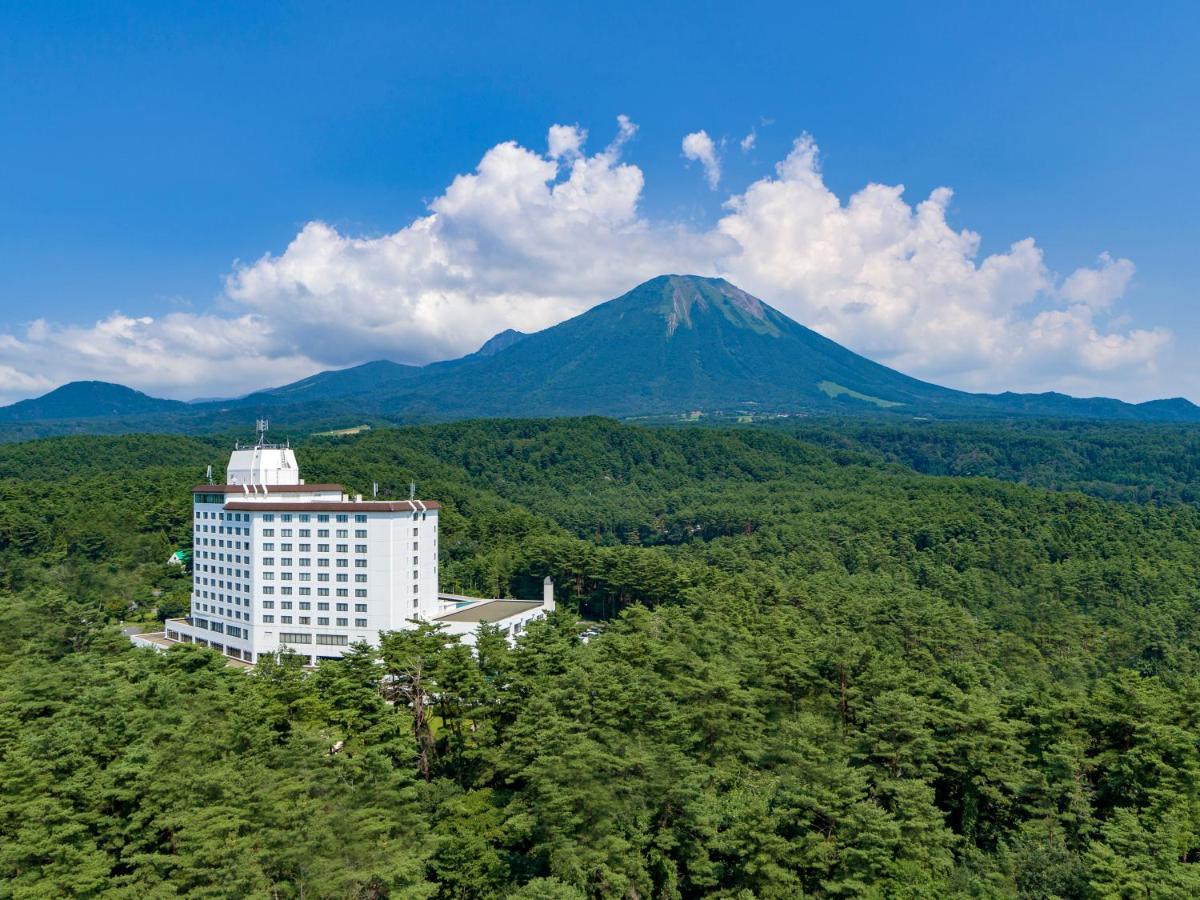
[(87, 399), (501, 341), (675, 344), (679, 343)]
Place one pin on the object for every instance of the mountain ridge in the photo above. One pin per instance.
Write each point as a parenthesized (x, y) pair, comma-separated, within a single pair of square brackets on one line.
[(670, 346)]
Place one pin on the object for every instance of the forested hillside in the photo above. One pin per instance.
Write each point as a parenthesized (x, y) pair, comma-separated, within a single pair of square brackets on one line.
[(822, 674)]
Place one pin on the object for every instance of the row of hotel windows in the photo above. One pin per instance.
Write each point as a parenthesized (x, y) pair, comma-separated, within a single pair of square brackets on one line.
[(360, 518), (305, 562), (321, 517), (307, 620), (221, 542), (321, 533), (307, 548), (336, 640), (222, 529)]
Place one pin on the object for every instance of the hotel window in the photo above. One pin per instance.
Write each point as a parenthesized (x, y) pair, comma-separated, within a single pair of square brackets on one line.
[(286, 591), (305, 620), (360, 623), (305, 532), (305, 561), (285, 604), (322, 620), (360, 607), (268, 576), (286, 517), (343, 548), (414, 532), (342, 517), (285, 532), (305, 548), (322, 592), (268, 590), (343, 607), (323, 517), (360, 592), (361, 579), (322, 532), (285, 561), (322, 576), (322, 563), (343, 563), (268, 532), (268, 547), (268, 517), (416, 589), (303, 517), (416, 574), (286, 637), (335, 640), (360, 548), (268, 604), (416, 544), (323, 606), (342, 623), (284, 620), (305, 576), (305, 591), (343, 577), (343, 592), (268, 620), (342, 533), (286, 548), (360, 517), (304, 604), (322, 548), (360, 532)]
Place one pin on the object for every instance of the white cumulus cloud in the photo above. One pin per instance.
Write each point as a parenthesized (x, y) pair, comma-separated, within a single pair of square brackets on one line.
[(1099, 287), (699, 147), (528, 239)]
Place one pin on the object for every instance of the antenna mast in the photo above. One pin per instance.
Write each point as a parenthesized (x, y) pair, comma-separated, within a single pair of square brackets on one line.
[(412, 490), (261, 426), (209, 474)]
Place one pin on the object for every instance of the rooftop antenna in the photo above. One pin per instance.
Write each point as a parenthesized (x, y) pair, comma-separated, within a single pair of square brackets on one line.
[(374, 490), (412, 490), (261, 427), (208, 474)]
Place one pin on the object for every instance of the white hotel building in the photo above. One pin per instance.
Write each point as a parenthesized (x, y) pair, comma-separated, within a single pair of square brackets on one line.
[(278, 564)]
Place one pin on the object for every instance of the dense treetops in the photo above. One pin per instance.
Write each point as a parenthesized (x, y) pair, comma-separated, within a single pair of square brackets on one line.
[(821, 674)]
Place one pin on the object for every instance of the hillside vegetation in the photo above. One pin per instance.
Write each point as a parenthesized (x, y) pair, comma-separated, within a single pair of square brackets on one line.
[(821, 674)]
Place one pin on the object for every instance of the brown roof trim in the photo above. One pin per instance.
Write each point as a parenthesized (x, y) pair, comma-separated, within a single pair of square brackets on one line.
[(271, 488), (334, 506)]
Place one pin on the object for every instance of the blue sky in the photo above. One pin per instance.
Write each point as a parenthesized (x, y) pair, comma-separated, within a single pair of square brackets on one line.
[(148, 148)]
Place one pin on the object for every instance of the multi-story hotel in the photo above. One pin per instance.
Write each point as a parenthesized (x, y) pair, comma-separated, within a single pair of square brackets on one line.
[(279, 564)]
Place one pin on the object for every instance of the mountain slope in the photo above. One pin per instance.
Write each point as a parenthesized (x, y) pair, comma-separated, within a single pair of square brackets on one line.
[(87, 399)]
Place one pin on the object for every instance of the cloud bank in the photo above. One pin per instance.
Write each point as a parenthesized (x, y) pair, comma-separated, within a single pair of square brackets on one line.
[(532, 237)]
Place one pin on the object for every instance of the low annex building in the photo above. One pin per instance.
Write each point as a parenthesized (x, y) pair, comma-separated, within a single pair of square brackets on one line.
[(278, 564)]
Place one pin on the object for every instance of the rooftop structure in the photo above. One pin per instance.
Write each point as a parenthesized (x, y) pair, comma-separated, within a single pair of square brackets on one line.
[(279, 564)]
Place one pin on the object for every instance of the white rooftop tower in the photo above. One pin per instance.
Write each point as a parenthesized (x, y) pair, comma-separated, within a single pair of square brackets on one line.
[(263, 463)]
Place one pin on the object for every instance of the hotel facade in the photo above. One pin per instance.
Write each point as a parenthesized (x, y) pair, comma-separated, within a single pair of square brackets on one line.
[(280, 565)]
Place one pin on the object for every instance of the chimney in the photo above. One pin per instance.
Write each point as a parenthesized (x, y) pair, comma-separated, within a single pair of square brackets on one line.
[(548, 594)]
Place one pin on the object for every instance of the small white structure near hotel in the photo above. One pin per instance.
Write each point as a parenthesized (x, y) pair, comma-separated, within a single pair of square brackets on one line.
[(279, 564)]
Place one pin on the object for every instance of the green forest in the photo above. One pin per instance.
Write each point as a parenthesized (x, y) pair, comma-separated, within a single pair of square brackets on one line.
[(834, 660)]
